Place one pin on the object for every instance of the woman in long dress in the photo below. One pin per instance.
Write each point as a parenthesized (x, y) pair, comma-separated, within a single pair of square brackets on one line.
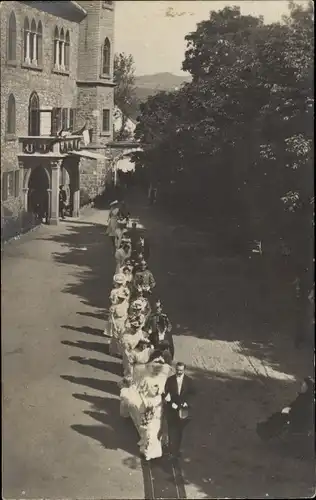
[(117, 320), (131, 338), (119, 289), (113, 222)]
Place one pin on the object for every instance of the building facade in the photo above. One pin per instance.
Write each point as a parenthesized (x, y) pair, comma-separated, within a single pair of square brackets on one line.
[(56, 103)]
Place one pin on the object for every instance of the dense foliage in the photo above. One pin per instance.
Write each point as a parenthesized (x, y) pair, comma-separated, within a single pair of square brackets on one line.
[(238, 139), (124, 92)]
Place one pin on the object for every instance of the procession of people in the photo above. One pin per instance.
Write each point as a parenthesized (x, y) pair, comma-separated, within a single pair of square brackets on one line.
[(155, 394)]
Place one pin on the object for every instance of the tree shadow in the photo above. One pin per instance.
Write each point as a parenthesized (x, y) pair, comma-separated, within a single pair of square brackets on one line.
[(207, 297), (85, 329), (211, 296), (106, 366), (88, 346), (223, 457), (109, 430), (108, 386), (92, 315)]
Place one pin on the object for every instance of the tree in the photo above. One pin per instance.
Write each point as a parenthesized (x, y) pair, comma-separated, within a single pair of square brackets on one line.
[(240, 135), (124, 92)]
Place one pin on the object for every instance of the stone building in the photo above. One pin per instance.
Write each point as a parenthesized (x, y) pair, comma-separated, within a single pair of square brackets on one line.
[(56, 79)]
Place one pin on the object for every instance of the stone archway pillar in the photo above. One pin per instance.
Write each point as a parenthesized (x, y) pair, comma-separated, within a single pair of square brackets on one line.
[(49, 197), (25, 191), (76, 194), (76, 203), (54, 197)]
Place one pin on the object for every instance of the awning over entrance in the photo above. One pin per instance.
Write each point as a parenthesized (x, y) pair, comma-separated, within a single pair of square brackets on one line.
[(84, 153), (125, 165)]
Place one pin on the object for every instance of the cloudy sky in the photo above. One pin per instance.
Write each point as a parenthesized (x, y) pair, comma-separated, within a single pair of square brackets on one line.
[(156, 39)]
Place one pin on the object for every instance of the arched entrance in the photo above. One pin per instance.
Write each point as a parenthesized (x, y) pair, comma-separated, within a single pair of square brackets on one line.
[(38, 198)]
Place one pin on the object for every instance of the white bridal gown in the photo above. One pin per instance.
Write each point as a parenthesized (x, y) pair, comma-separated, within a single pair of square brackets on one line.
[(146, 391)]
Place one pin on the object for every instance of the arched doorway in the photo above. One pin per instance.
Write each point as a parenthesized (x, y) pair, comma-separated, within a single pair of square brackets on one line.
[(34, 115), (38, 199)]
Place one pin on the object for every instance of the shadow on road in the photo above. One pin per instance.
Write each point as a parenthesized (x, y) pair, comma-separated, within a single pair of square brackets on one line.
[(206, 297), (85, 329), (110, 431), (106, 366), (223, 457)]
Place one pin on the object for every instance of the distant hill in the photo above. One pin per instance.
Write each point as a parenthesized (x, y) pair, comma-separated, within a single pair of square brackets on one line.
[(147, 85), (160, 81)]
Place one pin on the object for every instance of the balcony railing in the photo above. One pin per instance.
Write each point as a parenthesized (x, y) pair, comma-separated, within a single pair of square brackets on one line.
[(47, 145)]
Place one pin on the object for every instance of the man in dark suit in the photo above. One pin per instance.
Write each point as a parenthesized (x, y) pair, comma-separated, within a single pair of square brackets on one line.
[(177, 394), (159, 327)]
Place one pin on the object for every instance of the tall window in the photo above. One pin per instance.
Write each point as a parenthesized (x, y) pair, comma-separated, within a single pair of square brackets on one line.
[(56, 121), (61, 61), (67, 50), (72, 118), (106, 120), (12, 38), (11, 121), (39, 45), (61, 49), (27, 35), (106, 57), (33, 42), (10, 184), (64, 118), (34, 115)]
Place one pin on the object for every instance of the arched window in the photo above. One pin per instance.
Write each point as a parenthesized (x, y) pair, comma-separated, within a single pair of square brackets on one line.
[(39, 45), (11, 115), (33, 42), (62, 48), (27, 54), (12, 38), (106, 62), (56, 47), (34, 115), (67, 51)]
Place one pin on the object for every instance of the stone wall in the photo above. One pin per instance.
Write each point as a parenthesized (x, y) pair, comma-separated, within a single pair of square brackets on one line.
[(55, 89)]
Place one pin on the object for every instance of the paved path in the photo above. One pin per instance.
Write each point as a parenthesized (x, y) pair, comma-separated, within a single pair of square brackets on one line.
[(63, 437)]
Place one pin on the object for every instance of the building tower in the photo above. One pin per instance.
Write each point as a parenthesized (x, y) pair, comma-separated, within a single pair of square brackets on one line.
[(95, 87)]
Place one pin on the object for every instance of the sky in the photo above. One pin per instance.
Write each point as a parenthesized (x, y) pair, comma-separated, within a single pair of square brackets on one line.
[(144, 29)]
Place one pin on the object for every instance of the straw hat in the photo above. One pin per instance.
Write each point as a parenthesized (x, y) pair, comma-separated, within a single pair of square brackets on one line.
[(114, 203), (137, 304), (119, 279)]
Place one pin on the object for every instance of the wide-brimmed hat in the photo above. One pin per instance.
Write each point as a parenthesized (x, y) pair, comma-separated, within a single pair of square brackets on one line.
[(137, 304), (115, 202), (136, 321), (119, 278), (121, 294)]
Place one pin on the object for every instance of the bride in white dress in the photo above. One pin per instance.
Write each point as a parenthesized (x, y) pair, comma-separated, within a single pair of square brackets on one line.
[(141, 399)]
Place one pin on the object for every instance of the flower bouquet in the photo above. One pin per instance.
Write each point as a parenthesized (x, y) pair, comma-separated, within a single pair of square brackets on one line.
[(125, 382), (147, 416)]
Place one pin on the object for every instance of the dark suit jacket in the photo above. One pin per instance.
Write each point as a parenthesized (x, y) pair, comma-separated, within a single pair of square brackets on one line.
[(187, 391), (154, 339)]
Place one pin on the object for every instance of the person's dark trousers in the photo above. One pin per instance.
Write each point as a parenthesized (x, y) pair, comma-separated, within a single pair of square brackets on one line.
[(61, 210), (175, 431)]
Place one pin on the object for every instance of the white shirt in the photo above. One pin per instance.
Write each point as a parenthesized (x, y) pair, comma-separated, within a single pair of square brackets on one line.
[(180, 382)]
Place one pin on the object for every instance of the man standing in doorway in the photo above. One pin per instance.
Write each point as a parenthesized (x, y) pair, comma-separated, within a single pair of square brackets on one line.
[(62, 202)]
